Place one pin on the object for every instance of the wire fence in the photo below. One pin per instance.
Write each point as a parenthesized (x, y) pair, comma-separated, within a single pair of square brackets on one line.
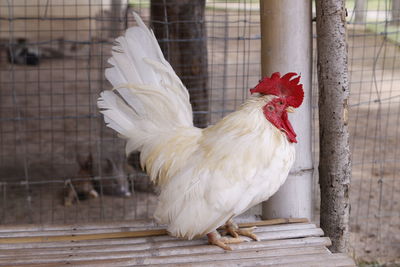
[(55, 149), (374, 73), (374, 46), (60, 164)]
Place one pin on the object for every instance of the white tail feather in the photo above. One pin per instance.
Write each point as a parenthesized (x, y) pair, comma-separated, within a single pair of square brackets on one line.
[(148, 96)]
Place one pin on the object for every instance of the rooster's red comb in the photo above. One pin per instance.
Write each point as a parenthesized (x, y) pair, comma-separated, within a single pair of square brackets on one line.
[(282, 87)]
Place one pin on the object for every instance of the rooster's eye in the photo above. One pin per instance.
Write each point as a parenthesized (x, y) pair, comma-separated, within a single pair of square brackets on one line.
[(270, 108), (280, 103)]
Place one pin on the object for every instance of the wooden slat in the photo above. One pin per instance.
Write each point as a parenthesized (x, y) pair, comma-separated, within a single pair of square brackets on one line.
[(309, 260), (147, 230), (55, 236), (155, 242), (135, 258), (306, 260), (150, 244), (297, 243), (169, 249), (81, 226), (137, 224)]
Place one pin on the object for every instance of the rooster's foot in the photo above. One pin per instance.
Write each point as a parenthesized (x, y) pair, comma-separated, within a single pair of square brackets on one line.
[(215, 239), (232, 229)]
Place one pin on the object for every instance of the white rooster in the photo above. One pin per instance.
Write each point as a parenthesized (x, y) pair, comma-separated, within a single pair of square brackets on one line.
[(206, 176)]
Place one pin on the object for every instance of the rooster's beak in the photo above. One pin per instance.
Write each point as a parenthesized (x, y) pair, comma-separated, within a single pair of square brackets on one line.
[(290, 109)]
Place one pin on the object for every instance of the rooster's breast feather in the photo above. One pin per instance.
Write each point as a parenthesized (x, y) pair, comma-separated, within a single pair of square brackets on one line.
[(239, 162)]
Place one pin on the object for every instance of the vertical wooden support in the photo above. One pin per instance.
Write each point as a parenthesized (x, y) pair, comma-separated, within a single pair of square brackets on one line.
[(115, 16), (180, 27), (334, 164), (396, 12), (286, 31)]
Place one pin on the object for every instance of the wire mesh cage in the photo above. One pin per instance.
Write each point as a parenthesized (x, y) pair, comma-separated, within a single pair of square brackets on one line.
[(375, 87), (60, 164), (374, 80)]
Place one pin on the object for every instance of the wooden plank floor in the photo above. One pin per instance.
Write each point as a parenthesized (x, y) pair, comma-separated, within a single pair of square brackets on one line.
[(282, 244)]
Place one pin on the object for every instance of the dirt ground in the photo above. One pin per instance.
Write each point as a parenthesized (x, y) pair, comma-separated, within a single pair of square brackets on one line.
[(48, 116)]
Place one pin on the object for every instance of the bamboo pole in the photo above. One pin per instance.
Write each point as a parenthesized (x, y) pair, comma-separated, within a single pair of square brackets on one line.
[(126, 234), (334, 164), (286, 46)]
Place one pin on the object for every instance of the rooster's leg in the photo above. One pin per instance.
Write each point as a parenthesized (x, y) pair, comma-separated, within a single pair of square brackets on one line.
[(214, 238), (232, 229)]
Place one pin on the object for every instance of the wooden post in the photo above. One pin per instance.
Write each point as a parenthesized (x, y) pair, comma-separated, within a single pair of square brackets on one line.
[(396, 12), (115, 17), (287, 47), (179, 25), (334, 164)]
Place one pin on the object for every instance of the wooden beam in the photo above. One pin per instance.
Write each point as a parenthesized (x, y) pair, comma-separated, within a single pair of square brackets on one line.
[(334, 160)]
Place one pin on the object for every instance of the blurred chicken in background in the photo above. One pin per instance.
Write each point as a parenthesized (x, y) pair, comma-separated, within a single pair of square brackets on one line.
[(23, 54), (107, 177), (114, 179), (81, 187)]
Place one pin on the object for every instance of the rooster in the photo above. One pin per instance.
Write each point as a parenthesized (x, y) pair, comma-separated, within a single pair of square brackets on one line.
[(206, 176)]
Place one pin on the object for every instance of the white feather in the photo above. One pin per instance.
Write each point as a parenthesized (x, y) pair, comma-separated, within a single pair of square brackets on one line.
[(147, 84), (238, 163)]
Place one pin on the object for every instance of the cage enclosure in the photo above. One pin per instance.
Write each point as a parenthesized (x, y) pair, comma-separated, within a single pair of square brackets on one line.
[(60, 164)]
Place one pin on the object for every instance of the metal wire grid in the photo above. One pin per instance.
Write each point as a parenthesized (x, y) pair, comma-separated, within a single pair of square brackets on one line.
[(374, 73), (49, 116), (48, 112), (375, 90), (234, 45)]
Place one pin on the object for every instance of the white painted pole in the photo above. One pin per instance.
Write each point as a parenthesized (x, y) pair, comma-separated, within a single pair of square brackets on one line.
[(286, 31)]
